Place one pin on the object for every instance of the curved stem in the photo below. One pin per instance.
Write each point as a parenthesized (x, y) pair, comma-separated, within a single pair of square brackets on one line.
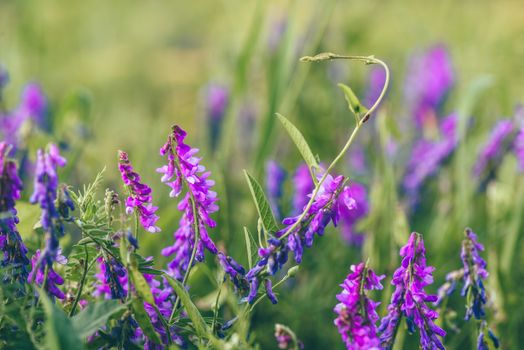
[(331, 56)]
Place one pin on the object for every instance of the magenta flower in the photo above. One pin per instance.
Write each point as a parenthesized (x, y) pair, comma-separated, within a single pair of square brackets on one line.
[(428, 81), (111, 279), (32, 107), (410, 300), (139, 198), (350, 216), (45, 194), (356, 313), (495, 147), (217, 101), (303, 187), (275, 177), (197, 205), (331, 200), (14, 260), (427, 156)]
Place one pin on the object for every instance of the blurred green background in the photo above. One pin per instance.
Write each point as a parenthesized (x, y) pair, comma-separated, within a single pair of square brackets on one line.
[(140, 66)]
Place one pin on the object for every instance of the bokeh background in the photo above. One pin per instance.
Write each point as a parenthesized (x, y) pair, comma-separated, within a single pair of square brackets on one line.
[(118, 74)]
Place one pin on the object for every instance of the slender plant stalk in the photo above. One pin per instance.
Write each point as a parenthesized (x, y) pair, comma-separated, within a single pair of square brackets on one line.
[(82, 281), (360, 122)]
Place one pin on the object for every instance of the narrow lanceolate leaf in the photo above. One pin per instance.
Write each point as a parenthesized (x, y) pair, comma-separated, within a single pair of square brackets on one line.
[(300, 142), (89, 320), (143, 320), (354, 105), (262, 204), (59, 331), (140, 283), (192, 311)]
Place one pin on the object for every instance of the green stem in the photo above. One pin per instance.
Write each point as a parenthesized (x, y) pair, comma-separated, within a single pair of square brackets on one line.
[(82, 281), (215, 311), (332, 56), (196, 229)]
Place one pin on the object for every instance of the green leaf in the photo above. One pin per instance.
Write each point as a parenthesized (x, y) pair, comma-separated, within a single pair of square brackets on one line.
[(192, 311), (262, 204), (140, 283), (300, 142), (354, 105), (59, 331), (95, 316), (144, 321)]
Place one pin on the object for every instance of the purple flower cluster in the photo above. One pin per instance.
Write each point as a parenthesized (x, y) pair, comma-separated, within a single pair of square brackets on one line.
[(197, 205), (163, 296), (350, 216), (427, 156), (474, 273), (275, 177), (303, 187), (111, 279), (286, 339), (14, 251), (234, 270), (409, 298), (357, 314), (495, 146), (428, 80), (139, 198), (45, 194), (32, 107), (332, 198), (217, 100)]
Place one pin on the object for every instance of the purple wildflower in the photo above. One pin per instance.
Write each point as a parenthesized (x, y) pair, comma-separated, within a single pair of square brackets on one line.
[(32, 107), (332, 198), (139, 195), (217, 100), (427, 156), (518, 146), (234, 270), (474, 273), (428, 80), (409, 298), (495, 147), (197, 205), (111, 279), (163, 295), (4, 79), (450, 285), (303, 187), (38, 274), (45, 194), (482, 340), (351, 216), (286, 339), (14, 250), (275, 177), (518, 143), (356, 313)]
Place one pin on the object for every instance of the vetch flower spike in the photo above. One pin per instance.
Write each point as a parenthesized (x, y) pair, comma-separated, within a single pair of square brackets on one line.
[(14, 259), (45, 194), (410, 300), (356, 313), (197, 205), (139, 198)]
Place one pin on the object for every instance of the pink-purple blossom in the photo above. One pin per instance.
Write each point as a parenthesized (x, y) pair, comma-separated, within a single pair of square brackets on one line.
[(197, 205), (409, 300), (139, 198), (356, 312), (14, 259)]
